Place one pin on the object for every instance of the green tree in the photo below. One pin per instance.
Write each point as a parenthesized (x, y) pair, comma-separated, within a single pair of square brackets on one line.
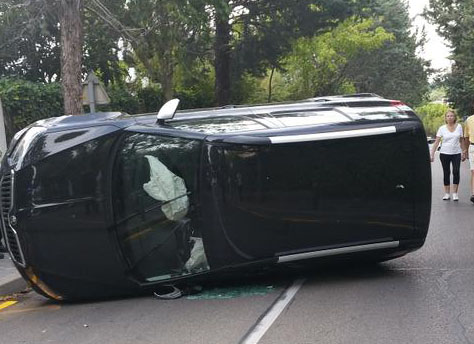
[(319, 65), (43, 41), (102, 42), (393, 70), (34, 26), (253, 35), (432, 116), (25, 102), (166, 34), (29, 40), (455, 22)]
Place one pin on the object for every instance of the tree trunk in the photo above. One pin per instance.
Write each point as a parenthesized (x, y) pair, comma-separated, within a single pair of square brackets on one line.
[(167, 87), (71, 55), (167, 75), (222, 60)]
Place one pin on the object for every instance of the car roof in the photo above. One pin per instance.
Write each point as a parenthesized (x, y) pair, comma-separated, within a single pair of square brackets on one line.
[(356, 99), (347, 97), (283, 116), (235, 118)]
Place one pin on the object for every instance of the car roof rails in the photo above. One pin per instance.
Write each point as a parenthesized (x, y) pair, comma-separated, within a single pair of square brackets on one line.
[(360, 95), (352, 95)]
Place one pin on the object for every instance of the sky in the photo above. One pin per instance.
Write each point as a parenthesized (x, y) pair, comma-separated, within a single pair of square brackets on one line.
[(436, 49)]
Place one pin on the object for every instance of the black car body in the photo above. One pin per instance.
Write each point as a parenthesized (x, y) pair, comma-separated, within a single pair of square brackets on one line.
[(111, 204)]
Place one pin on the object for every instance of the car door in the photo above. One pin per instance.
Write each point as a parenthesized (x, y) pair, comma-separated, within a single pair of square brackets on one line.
[(268, 200), (154, 192)]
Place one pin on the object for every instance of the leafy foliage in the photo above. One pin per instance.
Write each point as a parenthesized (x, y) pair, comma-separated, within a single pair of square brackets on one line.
[(168, 32), (29, 39), (455, 22), (393, 70), (262, 32), (146, 51), (432, 116), (25, 102), (318, 65), (102, 45)]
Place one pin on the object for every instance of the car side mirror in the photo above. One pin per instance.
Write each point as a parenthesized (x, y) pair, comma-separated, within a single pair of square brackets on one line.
[(167, 111)]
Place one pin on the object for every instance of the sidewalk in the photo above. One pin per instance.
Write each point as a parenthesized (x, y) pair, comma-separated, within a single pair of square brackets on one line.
[(10, 280)]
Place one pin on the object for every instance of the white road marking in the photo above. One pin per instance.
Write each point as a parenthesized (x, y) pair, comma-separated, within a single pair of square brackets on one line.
[(266, 321)]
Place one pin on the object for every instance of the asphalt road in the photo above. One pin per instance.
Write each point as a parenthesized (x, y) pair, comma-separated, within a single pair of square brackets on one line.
[(424, 297)]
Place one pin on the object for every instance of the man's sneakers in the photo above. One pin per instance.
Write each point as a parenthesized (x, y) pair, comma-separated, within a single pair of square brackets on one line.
[(455, 197), (472, 198), (446, 197)]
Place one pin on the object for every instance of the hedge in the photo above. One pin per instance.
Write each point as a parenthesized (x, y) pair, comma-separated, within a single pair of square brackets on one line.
[(25, 102)]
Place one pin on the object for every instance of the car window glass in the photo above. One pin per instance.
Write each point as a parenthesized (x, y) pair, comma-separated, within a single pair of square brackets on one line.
[(219, 125), (291, 119), (154, 202), (368, 103), (378, 113)]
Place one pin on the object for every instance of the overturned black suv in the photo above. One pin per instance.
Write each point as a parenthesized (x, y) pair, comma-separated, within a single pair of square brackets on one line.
[(112, 204)]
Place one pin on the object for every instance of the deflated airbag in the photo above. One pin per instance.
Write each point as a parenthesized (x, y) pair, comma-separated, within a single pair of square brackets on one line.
[(197, 261), (168, 188)]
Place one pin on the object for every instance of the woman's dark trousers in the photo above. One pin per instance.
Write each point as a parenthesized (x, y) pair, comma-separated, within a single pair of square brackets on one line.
[(446, 161)]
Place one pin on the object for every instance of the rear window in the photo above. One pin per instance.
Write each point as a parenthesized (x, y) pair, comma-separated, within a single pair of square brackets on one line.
[(368, 103)]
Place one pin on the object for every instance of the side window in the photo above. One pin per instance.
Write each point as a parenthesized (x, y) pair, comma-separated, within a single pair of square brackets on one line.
[(154, 198), (368, 103), (143, 154)]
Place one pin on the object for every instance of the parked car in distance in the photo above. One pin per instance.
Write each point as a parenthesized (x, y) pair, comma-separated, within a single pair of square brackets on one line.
[(111, 204)]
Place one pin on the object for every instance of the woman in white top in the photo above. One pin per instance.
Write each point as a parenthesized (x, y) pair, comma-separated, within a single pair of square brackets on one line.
[(450, 152)]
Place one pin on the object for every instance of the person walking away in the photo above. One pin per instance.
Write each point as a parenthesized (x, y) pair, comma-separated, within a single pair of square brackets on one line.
[(451, 153), (469, 148)]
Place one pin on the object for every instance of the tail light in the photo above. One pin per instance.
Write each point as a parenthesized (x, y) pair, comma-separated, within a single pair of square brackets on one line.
[(397, 103)]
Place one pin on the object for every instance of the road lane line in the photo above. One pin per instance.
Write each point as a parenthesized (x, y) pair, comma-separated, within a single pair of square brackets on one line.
[(7, 304), (29, 310), (268, 318)]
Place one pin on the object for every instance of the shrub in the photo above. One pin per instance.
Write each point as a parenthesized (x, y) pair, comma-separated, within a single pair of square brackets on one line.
[(25, 102), (432, 116)]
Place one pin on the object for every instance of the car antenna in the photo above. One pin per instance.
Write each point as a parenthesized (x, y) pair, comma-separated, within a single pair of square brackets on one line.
[(167, 111)]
